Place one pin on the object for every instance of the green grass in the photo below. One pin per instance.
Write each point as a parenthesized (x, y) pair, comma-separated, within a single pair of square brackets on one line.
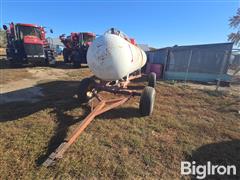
[(118, 144)]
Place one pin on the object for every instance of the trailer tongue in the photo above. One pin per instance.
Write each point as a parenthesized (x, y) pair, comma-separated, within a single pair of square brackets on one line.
[(88, 91), (103, 106)]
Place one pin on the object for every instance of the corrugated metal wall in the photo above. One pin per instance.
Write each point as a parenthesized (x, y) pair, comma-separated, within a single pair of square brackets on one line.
[(198, 59), (157, 56)]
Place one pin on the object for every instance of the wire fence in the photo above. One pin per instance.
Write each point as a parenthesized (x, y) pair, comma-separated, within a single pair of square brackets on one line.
[(220, 67)]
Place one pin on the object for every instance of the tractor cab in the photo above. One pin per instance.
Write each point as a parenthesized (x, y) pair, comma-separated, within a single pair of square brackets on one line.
[(28, 30), (76, 46), (27, 42), (81, 39), (87, 38)]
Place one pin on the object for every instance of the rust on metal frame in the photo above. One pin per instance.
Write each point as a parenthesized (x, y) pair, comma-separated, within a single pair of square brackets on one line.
[(101, 107)]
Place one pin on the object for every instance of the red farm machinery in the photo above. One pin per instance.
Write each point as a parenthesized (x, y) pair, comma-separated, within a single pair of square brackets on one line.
[(76, 46), (27, 43)]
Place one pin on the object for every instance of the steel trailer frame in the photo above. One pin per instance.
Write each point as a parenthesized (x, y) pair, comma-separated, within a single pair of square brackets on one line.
[(103, 105)]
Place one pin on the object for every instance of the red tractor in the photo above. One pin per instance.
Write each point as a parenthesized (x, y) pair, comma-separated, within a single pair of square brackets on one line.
[(76, 46), (27, 43)]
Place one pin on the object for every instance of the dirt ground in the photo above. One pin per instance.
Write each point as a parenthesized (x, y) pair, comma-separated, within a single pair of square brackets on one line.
[(39, 110), (15, 79), (2, 51)]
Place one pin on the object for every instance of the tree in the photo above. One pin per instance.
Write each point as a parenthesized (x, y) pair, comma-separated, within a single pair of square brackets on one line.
[(234, 22)]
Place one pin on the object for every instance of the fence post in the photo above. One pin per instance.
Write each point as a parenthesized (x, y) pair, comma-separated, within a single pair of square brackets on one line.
[(221, 70), (189, 61), (165, 63)]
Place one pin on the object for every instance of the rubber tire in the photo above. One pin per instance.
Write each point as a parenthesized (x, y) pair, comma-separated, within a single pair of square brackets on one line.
[(66, 54), (15, 65), (224, 84), (147, 99), (46, 62), (76, 64), (152, 78), (52, 65), (85, 86)]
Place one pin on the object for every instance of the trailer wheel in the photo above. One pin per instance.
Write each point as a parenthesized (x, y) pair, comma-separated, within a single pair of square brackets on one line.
[(85, 90), (152, 79), (147, 101)]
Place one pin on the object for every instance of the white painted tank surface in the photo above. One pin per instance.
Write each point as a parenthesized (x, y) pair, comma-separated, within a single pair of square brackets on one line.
[(112, 56)]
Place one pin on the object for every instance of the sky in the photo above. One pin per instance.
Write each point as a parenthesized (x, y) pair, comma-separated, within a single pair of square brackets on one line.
[(158, 23)]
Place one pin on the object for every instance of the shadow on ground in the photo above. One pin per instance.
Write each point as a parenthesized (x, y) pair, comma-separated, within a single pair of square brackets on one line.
[(222, 153), (5, 64), (64, 121), (60, 97)]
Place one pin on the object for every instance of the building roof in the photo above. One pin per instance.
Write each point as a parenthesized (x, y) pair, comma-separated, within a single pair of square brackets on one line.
[(144, 47)]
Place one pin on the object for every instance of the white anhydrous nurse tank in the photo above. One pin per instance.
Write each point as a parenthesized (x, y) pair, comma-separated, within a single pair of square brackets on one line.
[(110, 57)]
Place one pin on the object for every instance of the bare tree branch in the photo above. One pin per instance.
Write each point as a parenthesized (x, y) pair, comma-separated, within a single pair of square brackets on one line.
[(234, 37), (235, 20)]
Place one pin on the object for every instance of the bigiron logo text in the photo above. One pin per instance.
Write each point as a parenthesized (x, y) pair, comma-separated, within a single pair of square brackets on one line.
[(201, 171)]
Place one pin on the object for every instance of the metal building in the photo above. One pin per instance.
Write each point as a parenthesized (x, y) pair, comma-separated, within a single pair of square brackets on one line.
[(205, 63)]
